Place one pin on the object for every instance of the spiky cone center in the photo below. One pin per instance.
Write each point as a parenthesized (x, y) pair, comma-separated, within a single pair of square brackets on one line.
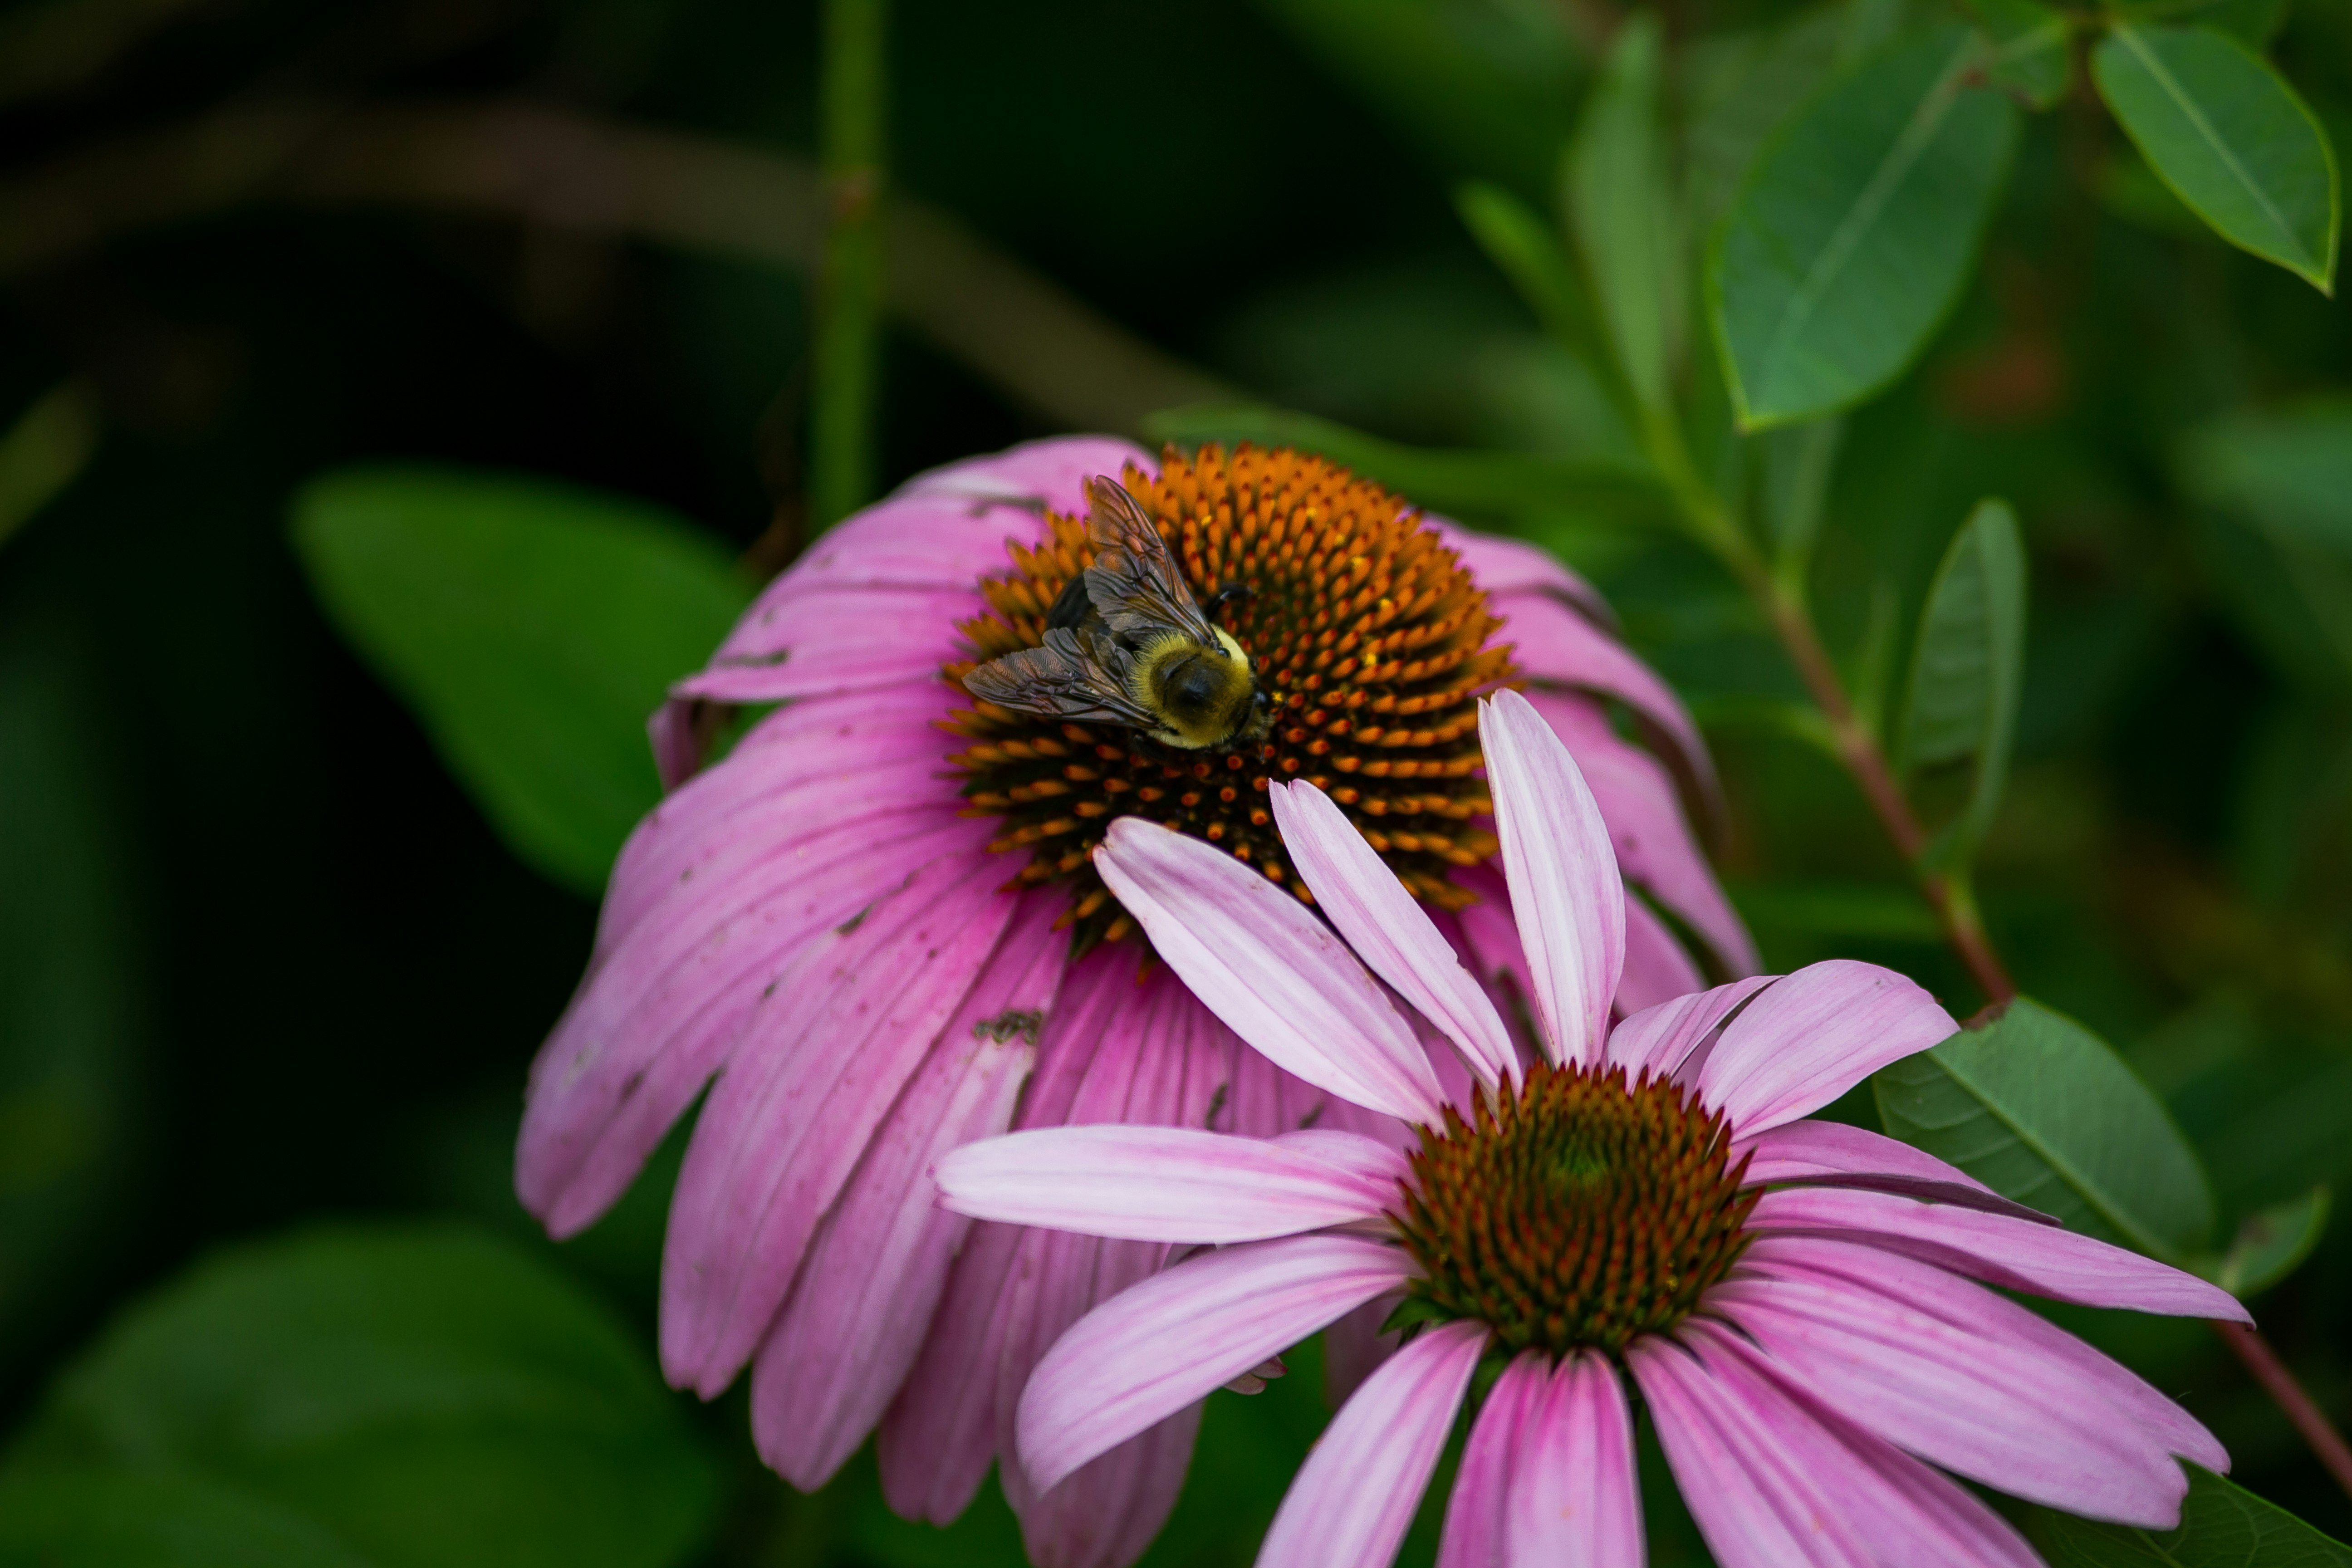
[(1582, 1210), (1371, 639)]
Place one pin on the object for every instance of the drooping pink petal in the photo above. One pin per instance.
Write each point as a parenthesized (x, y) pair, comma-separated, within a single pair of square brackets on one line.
[(1388, 927), (1110, 1511), (1969, 1305), (2017, 1254), (1812, 1035), (1052, 472), (1477, 1511), (1557, 646), (1656, 968), (1909, 1514), (1763, 1493), (1565, 891), (1354, 1347), (1351, 1503), (850, 641), (1574, 1498), (1653, 842), (1660, 1040), (874, 1273), (1155, 1349), (1986, 1406), (1489, 944), (657, 1015), (1506, 566), (1160, 1184), (804, 766), (1833, 1154), (1268, 967), (819, 1068)]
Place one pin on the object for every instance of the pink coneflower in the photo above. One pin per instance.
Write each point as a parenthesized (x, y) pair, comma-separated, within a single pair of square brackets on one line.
[(877, 923), (1802, 1304)]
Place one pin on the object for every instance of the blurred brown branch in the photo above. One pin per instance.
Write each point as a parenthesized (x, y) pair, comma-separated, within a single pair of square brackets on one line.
[(1042, 347)]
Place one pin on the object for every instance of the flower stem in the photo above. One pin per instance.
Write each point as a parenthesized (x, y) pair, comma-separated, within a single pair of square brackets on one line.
[(845, 362), (1782, 599)]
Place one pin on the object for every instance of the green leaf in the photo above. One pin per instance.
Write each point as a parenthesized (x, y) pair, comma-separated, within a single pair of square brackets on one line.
[(532, 627), (1518, 241), (1738, 89), (2042, 1111), (2290, 470), (2231, 138), (2029, 53), (1968, 667), (46, 451), (1617, 203), (2272, 1244), (1477, 483), (2222, 1525), (388, 1396), (1852, 236)]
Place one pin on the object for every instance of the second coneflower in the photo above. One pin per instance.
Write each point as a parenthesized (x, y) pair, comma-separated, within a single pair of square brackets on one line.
[(1802, 1304)]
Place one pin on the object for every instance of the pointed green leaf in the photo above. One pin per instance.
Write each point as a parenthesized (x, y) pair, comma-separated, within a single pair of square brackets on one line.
[(1518, 241), (2272, 1244), (2222, 1525), (1852, 238), (377, 1397), (2289, 469), (2042, 1111), (2231, 138), (1968, 669), (533, 628), (1618, 204)]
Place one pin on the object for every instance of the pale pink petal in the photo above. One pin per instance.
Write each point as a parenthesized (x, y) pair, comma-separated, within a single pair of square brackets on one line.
[(1266, 966), (1052, 472), (1660, 1040), (1911, 1516), (1575, 1501), (1156, 1348), (1351, 1503), (1158, 1183), (1812, 1037), (1376, 1165), (1656, 968), (879, 1266), (819, 1067), (1653, 842), (1764, 1492), (656, 1016), (1565, 890), (1388, 927), (1477, 1515), (1489, 944), (2000, 1249), (1557, 646), (1964, 1302), (1833, 1154), (1966, 1397), (847, 640)]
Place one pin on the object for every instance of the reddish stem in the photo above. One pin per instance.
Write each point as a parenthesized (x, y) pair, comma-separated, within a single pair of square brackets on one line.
[(2262, 1361)]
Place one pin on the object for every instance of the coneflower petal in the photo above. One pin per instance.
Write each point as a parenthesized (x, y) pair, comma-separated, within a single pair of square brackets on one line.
[(1831, 1153), (1574, 1499), (1179, 1335), (1477, 1512), (1262, 962), (1814, 1034), (1566, 894), (1390, 933)]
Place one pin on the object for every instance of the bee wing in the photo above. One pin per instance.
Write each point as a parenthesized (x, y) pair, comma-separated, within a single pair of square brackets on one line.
[(1077, 675), (1135, 582)]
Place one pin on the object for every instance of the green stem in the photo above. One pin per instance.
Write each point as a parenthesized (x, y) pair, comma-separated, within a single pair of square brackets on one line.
[(846, 358)]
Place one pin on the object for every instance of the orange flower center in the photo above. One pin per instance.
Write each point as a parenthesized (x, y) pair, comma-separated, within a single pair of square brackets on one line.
[(1369, 637)]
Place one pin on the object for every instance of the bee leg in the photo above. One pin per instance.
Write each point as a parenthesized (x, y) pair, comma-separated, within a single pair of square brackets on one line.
[(1226, 596)]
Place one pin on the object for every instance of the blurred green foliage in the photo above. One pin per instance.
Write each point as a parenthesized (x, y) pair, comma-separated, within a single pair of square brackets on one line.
[(1825, 275)]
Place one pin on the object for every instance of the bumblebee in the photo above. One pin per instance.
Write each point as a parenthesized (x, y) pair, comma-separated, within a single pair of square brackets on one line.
[(1126, 643)]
